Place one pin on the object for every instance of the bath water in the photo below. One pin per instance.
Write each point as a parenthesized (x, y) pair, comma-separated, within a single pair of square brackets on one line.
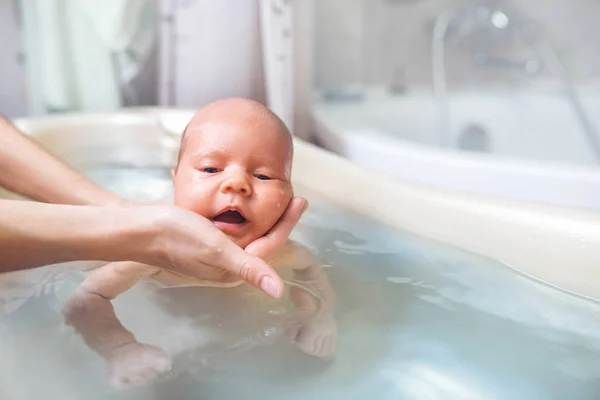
[(415, 320)]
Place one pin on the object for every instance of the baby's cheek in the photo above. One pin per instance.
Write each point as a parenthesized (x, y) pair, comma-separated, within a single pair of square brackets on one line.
[(279, 202), (180, 190), (191, 200), (287, 197), (182, 198)]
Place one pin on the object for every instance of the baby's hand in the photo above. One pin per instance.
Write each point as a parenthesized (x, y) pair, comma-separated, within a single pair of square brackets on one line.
[(136, 364)]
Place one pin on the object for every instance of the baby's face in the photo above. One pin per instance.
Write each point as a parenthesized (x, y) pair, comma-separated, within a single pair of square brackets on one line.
[(237, 174)]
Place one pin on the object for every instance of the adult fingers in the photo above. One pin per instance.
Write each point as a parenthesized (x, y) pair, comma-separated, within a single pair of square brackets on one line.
[(251, 269)]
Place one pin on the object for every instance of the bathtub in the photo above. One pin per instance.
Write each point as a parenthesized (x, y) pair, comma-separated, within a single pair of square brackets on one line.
[(509, 276), (524, 146)]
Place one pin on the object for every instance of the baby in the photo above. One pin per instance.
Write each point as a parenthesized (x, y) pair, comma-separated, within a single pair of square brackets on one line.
[(234, 168)]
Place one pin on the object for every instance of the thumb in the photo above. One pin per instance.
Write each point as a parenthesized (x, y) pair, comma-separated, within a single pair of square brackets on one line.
[(252, 270)]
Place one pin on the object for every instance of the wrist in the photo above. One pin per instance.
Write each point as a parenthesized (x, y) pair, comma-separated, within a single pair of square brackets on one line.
[(36, 234), (136, 231)]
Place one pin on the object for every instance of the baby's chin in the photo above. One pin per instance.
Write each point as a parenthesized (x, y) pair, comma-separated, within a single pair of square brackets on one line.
[(243, 242), (248, 237)]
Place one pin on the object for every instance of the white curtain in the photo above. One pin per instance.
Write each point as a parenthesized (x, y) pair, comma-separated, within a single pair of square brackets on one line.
[(83, 54)]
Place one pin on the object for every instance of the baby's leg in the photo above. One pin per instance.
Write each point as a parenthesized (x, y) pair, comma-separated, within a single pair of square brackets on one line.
[(91, 313), (313, 327)]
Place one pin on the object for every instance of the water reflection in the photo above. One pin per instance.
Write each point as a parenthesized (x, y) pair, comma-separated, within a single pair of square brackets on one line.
[(412, 319), (201, 326)]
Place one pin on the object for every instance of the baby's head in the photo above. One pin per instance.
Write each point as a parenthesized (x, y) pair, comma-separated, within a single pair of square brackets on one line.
[(234, 168)]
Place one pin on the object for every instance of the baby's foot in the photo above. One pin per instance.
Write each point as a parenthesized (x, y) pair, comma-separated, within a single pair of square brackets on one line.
[(136, 364)]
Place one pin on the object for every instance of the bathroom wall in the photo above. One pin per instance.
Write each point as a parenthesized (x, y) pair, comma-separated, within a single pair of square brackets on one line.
[(384, 42), (12, 80), (387, 42), (214, 52)]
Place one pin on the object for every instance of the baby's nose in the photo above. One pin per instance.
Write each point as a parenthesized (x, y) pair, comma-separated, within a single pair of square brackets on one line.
[(236, 185)]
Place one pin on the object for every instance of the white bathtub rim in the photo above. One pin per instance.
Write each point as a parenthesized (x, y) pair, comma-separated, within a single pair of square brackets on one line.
[(557, 245), (457, 156), (544, 183)]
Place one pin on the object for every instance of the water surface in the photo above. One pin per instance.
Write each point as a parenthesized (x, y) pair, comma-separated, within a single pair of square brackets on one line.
[(415, 320)]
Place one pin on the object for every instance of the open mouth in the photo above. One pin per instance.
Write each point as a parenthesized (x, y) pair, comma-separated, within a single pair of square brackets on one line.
[(230, 217)]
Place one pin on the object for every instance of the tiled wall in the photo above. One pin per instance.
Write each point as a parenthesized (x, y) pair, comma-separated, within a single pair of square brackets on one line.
[(389, 41)]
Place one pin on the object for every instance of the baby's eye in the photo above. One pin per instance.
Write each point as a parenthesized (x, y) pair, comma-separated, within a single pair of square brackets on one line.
[(210, 170), (263, 177)]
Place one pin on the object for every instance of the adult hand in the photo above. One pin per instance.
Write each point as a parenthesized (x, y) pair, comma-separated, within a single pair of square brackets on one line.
[(187, 243)]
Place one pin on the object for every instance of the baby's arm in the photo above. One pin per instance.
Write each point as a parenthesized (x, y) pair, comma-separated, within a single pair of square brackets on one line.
[(308, 271), (91, 313), (313, 327)]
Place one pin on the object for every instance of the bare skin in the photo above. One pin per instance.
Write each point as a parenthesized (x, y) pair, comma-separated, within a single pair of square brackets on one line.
[(75, 227), (131, 363), (234, 169), (48, 179)]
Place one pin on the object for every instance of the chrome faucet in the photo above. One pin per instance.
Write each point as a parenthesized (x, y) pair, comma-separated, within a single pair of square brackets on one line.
[(488, 26), (531, 66)]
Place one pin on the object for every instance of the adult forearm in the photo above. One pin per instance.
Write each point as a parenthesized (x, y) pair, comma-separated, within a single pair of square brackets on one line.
[(36, 234), (28, 169)]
